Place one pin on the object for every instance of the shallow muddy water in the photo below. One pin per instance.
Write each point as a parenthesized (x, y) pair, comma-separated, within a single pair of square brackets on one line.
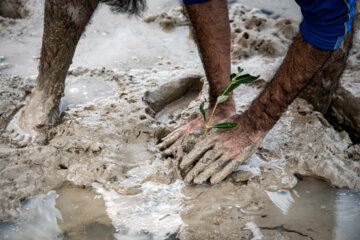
[(69, 213), (313, 209)]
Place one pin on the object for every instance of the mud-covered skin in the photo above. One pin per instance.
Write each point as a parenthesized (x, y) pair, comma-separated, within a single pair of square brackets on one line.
[(212, 31), (196, 125), (231, 148), (300, 64), (64, 23), (321, 89), (344, 112), (223, 152)]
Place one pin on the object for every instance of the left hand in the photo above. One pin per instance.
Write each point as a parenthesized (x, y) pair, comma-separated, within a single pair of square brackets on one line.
[(221, 151)]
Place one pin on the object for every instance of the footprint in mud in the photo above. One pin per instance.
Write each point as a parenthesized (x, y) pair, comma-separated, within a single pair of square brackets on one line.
[(170, 99)]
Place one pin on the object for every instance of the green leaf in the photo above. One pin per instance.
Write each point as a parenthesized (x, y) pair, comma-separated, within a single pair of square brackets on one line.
[(232, 76), (222, 98), (240, 69), (243, 79), (202, 111), (225, 125)]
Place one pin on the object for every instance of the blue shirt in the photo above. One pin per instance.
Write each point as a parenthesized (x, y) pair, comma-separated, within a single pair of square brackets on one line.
[(325, 22)]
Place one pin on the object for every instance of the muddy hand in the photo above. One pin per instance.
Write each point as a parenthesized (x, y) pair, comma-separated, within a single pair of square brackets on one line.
[(221, 152), (169, 142)]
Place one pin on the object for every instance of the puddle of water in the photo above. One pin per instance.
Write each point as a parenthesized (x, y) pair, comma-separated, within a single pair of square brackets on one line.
[(313, 208), (69, 213), (38, 220), (83, 214), (176, 107), (317, 209), (80, 90)]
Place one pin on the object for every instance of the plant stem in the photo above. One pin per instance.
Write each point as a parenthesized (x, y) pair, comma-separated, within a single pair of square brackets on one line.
[(213, 111)]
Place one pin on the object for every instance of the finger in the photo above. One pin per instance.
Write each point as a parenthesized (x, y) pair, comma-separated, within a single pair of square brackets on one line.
[(196, 153), (211, 169), (169, 139), (208, 158), (230, 167), (226, 171), (173, 148)]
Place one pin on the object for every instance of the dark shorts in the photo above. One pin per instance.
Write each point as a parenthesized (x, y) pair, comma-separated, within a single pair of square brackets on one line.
[(325, 22)]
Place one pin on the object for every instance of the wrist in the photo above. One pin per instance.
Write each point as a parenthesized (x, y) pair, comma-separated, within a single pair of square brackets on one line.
[(259, 119), (226, 108)]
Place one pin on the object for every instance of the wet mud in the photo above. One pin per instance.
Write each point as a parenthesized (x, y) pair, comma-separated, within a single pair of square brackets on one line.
[(106, 142), (253, 32)]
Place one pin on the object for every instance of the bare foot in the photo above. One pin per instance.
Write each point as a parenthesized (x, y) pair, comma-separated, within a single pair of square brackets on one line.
[(30, 124)]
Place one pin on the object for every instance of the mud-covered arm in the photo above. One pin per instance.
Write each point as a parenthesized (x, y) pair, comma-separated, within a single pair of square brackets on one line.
[(210, 23), (301, 62), (211, 30), (221, 152)]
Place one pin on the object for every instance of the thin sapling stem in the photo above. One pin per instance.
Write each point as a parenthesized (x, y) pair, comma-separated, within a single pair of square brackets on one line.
[(235, 81)]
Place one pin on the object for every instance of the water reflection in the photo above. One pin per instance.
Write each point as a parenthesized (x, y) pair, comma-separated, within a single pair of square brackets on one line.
[(347, 214), (317, 209), (69, 213), (38, 220)]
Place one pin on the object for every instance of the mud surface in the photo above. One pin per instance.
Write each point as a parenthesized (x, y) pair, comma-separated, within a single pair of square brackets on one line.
[(13, 9), (253, 31), (107, 142)]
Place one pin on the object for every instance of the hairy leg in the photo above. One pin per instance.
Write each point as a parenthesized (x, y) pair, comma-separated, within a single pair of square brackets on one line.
[(64, 23)]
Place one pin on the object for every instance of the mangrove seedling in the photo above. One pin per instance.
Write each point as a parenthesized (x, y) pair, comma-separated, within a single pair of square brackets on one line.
[(236, 79)]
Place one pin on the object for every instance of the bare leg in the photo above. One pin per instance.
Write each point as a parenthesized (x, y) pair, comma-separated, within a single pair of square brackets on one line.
[(64, 23)]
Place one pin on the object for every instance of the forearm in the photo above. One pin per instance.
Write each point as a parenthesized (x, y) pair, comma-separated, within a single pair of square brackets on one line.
[(300, 64), (210, 22)]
